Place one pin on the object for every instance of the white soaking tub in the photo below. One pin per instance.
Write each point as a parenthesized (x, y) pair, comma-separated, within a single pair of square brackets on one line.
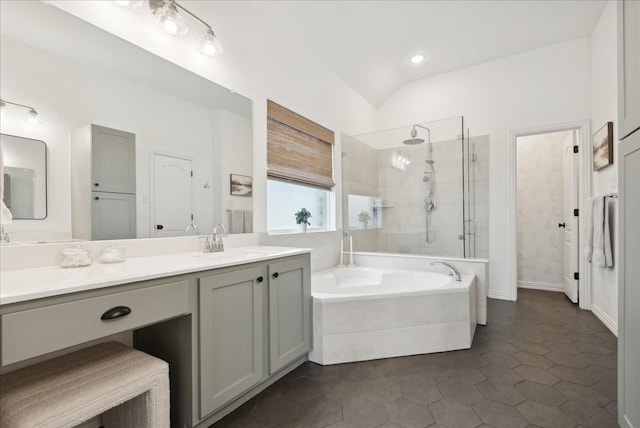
[(369, 313)]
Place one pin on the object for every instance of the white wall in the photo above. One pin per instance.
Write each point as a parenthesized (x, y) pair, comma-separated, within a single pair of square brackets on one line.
[(538, 88), (604, 108)]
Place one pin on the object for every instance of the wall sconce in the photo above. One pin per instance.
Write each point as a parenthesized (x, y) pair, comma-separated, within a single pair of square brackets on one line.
[(31, 117), (172, 22)]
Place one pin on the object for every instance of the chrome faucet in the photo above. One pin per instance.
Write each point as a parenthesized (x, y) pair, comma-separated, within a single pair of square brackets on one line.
[(191, 227), (453, 271), (216, 244)]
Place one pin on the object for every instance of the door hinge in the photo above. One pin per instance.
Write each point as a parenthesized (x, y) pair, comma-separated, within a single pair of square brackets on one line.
[(191, 217), (576, 212), (576, 149), (576, 276), (192, 173)]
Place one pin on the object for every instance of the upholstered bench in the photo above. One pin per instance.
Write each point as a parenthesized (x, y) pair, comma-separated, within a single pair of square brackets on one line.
[(128, 387)]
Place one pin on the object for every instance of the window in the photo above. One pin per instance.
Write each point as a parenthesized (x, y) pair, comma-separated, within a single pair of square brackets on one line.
[(300, 170)]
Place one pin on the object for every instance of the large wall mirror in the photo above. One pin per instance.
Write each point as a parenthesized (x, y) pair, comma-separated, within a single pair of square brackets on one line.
[(25, 177), (76, 75)]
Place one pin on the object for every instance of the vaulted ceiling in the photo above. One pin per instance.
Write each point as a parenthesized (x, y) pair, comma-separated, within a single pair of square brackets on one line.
[(368, 43)]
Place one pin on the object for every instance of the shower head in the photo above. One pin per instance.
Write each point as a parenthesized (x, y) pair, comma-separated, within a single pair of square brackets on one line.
[(413, 141)]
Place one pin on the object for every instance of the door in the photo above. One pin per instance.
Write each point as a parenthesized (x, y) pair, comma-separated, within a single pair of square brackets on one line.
[(629, 282), (231, 319), (172, 209), (113, 216), (289, 312), (570, 220), (113, 160)]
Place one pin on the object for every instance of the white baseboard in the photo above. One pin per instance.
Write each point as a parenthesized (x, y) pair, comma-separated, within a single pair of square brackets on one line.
[(605, 318), (541, 286), (499, 295)]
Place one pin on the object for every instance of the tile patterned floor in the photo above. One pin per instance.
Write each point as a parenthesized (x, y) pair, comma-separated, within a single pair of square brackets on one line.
[(540, 362)]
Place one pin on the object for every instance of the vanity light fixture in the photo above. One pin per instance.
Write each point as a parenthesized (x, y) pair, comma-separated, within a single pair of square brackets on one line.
[(31, 117), (174, 24)]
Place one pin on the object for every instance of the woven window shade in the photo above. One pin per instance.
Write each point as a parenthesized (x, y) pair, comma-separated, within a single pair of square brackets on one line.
[(298, 150)]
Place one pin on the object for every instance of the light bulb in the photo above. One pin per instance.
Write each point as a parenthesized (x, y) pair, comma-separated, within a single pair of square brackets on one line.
[(417, 59), (172, 22), (209, 44)]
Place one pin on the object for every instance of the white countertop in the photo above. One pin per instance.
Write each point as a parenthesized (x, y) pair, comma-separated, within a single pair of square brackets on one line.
[(20, 285)]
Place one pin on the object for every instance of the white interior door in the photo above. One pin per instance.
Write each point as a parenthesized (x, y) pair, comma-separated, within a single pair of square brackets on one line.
[(570, 221), (171, 205)]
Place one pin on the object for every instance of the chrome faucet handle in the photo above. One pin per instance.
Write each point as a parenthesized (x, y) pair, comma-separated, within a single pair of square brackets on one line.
[(189, 227)]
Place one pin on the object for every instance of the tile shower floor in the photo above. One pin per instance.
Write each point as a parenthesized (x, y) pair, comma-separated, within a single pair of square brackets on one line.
[(540, 362)]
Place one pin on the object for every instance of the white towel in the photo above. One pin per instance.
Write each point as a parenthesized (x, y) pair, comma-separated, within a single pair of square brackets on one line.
[(588, 224), (602, 255)]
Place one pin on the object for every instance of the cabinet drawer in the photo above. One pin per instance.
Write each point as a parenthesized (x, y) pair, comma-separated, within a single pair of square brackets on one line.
[(34, 332)]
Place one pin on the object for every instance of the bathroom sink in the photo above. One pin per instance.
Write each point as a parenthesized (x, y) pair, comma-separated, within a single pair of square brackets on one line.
[(238, 254)]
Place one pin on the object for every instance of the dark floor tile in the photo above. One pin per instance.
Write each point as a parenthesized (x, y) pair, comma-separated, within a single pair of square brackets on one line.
[(534, 359), (567, 360), (589, 416), (531, 347), (537, 374), (504, 347), (608, 388), (363, 414), (409, 414), (454, 414), (544, 415), (275, 410), (544, 394), (382, 390), (573, 375), (501, 374), (341, 391), (500, 392), (320, 412), (581, 393), (499, 415), (608, 361), (502, 359), (465, 375), (460, 392)]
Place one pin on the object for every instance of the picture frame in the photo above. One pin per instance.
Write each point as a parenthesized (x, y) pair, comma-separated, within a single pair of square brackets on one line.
[(240, 185), (602, 146)]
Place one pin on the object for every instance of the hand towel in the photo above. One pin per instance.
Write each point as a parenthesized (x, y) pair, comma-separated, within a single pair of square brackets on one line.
[(602, 255), (588, 224)]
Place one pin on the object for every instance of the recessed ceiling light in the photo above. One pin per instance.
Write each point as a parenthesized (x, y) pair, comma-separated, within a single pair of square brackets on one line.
[(417, 59)]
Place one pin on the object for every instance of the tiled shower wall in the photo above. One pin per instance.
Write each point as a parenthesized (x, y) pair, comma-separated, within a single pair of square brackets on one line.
[(402, 192)]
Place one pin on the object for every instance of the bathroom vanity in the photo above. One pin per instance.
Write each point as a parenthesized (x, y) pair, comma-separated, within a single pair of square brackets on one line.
[(229, 324)]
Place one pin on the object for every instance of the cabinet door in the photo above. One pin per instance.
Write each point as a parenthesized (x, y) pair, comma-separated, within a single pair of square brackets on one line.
[(289, 311), (113, 216), (628, 67), (230, 336), (113, 160)]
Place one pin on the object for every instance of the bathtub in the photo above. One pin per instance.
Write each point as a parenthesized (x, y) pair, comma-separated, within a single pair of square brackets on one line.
[(368, 313)]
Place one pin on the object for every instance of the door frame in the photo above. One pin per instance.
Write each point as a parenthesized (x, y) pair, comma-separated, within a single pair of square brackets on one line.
[(152, 184), (584, 192)]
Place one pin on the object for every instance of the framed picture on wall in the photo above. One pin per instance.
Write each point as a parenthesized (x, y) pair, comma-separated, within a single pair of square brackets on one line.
[(241, 185), (602, 145)]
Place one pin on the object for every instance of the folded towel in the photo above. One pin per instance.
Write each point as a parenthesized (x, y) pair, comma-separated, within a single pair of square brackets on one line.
[(602, 255), (588, 222)]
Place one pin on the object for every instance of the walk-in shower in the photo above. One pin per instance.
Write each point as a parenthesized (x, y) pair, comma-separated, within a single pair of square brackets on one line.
[(417, 189)]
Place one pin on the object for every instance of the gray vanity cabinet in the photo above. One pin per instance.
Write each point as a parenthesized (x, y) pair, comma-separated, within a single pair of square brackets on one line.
[(113, 215), (253, 322), (289, 312), (231, 319)]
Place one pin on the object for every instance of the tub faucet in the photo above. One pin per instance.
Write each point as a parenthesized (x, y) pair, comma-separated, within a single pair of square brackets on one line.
[(453, 271), (216, 243)]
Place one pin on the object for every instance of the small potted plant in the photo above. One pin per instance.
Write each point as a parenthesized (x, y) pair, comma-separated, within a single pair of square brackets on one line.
[(302, 219), (364, 217)]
